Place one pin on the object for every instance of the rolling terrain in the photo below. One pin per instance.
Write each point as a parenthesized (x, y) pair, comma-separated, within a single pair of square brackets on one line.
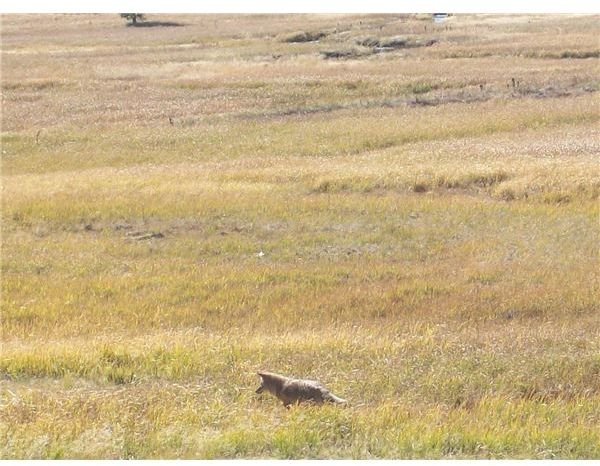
[(405, 211)]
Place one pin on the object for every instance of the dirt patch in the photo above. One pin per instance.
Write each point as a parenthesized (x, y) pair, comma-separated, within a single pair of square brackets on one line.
[(337, 252)]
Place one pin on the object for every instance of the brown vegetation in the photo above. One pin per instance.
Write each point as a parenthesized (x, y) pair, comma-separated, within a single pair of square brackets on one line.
[(182, 207)]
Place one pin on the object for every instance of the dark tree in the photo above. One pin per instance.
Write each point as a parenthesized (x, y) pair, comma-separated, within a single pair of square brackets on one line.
[(133, 17)]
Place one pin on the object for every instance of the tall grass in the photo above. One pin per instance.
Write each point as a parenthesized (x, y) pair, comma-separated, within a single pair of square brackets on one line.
[(423, 239)]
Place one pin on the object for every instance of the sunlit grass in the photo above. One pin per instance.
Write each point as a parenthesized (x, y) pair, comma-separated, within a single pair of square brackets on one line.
[(317, 136), (169, 423), (416, 229)]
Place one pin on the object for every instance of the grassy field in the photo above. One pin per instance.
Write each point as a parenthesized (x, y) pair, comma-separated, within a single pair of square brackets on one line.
[(405, 211)]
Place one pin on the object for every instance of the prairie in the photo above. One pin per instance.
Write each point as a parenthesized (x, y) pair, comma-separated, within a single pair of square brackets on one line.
[(405, 211)]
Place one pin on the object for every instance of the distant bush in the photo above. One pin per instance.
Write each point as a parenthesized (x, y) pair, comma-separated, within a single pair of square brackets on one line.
[(419, 187), (133, 17), (369, 42), (421, 88), (395, 42), (580, 54)]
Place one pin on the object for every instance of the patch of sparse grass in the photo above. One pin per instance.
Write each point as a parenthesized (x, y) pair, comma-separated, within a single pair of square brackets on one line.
[(421, 88), (578, 54), (34, 85)]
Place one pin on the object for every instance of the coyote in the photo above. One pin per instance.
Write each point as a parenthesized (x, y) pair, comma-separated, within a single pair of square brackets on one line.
[(293, 391)]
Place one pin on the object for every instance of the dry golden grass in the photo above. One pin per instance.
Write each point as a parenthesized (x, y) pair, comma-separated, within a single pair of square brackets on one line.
[(417, 228)]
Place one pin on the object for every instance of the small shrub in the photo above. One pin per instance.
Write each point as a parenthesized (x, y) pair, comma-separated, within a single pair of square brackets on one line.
[(580, 54), (323, 186), (353, 85), (488, 179), (556, 198), (395, 43), (420, 187), (302, 36), (421, 88), (482, 180), (120, 376), (369, 42), (133, 18), (507, 194)]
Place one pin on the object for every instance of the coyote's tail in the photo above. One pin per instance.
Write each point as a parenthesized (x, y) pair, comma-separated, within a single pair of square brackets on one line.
[(335, 399)]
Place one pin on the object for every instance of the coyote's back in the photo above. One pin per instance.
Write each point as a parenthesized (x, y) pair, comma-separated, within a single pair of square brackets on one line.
[(292, 391)]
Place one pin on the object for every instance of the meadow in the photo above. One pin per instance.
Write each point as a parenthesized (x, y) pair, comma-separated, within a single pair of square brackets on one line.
[(405, 211)]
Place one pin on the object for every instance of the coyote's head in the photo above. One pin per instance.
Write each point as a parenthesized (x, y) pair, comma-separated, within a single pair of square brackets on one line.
[(270, 382), (262, 384)]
